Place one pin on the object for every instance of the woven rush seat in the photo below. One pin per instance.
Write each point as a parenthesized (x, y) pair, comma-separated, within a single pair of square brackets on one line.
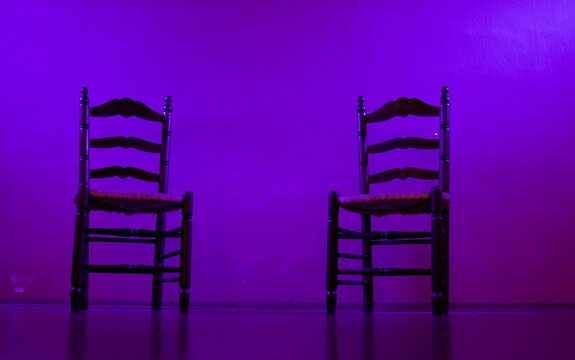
[(390, 204), (133, 202)]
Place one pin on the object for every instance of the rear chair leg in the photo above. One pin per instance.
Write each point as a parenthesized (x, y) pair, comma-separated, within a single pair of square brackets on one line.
[(445, 262), (85, 273), (78, 292), (332, 246), (437, 299), (84, 304)]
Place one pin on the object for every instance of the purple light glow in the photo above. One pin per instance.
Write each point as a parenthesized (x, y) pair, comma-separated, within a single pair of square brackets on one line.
[(264, 97)]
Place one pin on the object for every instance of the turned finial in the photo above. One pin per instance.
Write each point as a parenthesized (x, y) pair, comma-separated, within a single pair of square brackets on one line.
[(168, 105), (444, 95), (360, 104), (84, 96)]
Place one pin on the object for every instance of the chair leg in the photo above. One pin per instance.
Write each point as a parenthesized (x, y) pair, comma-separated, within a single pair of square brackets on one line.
[(332, 249), (85, 273), (186, 253), (157, 285), (157, 292), (84, 304), (368, 294), (331, 302), (85, 277), (367, 264), (78, 280), (75, 299), (445, 262), (437, 241), (184, 301)]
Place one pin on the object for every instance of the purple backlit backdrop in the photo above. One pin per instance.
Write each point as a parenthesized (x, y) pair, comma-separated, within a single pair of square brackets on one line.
[(264, 98)]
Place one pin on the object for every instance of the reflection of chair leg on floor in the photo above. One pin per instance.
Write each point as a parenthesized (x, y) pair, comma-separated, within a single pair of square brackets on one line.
[(434, 203), (154, 202), (77, 336), (441, 339), (164, 331)]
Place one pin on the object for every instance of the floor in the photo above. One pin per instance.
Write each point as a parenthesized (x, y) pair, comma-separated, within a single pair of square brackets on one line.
[(52, 332)]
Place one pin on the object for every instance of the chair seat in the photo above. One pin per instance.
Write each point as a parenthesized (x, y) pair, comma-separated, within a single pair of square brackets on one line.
[(390, 204), (133, 202)]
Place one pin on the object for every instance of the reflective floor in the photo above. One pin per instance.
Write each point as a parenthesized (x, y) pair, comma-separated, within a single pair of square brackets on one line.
[(52, 332)]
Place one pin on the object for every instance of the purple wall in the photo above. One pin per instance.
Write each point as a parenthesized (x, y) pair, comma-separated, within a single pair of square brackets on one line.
[(264, 97)]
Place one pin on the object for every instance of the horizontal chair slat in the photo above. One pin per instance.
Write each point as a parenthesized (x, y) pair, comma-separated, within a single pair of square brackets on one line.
[(405, 234), (169, 279), (403, 143), (170, 254), (405, 173), (121, 240), (131, 269), (126, 143), (351, 282), (141, 233), (401, 107), (124, 172), (383, 235), (345, 231), (350, 256), (126, 107), (385, 272), (401, 242)]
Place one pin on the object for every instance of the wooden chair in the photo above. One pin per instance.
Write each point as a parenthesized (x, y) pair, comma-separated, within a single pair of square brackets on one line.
[(88, 200), (435, 203)]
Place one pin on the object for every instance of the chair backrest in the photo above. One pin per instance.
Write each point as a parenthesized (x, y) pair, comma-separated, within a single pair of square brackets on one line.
[(403, 107), (125, 107)]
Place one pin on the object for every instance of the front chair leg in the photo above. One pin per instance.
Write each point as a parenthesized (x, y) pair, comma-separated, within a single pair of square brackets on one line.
[(367, 264), (332, 249), (157, 292), (186, 253), (157, 285)]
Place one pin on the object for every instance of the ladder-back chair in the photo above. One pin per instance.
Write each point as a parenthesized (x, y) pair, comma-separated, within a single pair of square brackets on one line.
[(435, 203), (158, 203)]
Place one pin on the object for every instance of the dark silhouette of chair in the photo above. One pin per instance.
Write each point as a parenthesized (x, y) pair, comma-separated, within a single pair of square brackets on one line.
[(435, 203), (159, 203)]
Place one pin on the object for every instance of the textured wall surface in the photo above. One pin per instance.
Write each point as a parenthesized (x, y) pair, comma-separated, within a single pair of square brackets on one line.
[(264, 98)]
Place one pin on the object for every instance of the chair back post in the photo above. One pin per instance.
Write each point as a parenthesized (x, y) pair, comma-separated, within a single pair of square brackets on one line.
[(361, 134), (84, 169), (166, 136), (364, 189), (161, 217), (444, 141)]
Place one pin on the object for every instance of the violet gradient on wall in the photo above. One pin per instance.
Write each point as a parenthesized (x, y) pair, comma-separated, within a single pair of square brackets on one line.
[(264, 98)]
